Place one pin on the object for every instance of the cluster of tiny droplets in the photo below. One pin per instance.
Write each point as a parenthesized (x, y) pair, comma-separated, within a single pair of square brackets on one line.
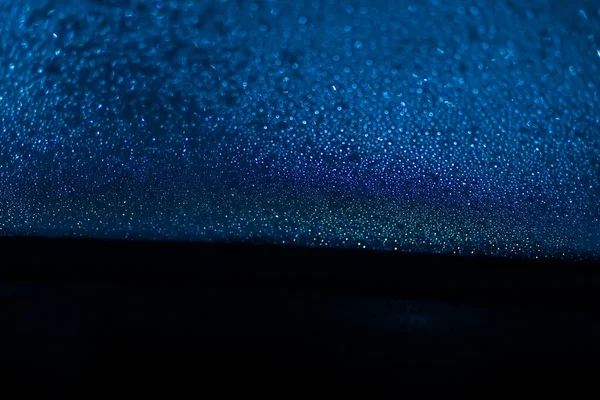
[(468, 127)]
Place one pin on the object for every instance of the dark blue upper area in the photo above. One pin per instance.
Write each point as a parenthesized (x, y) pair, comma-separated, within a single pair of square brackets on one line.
[(470, 127)]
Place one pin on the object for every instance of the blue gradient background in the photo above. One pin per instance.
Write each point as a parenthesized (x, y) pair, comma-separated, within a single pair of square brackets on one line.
[(468, 127)]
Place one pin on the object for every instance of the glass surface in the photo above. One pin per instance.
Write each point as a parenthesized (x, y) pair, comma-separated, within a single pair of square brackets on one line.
[(444, 126)]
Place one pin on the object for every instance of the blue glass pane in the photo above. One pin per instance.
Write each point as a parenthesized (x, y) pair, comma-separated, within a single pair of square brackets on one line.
[(445, 126)]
